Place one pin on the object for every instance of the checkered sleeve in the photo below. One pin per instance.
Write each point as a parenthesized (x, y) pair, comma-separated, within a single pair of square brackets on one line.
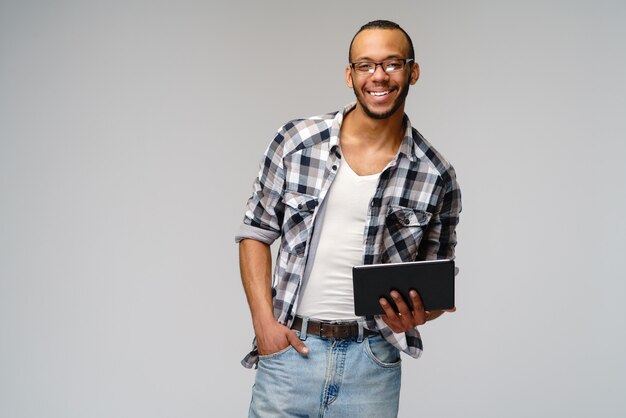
[(440, 238), (265, 208)]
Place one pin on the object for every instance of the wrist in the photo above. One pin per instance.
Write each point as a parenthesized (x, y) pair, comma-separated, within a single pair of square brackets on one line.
[(262, 321)]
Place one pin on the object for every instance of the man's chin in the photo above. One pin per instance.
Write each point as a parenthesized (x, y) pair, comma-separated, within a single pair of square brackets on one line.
[(380, 115)]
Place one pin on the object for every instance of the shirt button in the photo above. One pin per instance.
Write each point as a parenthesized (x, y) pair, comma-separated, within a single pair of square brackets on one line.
[(334, 168)]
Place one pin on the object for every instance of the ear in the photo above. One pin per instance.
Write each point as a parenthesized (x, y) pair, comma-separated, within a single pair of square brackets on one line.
[(415, 73), (348, 76)]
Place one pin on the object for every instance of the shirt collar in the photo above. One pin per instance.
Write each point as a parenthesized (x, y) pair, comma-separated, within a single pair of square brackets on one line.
[(408, 144)]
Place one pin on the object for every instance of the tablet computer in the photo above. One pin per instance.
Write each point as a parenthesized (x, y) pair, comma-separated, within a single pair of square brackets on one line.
[(433, 280)]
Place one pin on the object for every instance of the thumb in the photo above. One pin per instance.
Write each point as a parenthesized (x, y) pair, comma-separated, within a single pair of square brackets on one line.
[(297, 343)]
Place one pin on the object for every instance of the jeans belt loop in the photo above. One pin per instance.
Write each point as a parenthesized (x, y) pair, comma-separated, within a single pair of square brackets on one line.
[(303, 328), (361, 332)]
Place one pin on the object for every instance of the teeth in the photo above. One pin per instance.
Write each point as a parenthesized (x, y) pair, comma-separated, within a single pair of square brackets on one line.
[(379, 93)]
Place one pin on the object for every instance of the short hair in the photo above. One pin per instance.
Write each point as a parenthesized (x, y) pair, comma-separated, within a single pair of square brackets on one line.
[(383, 24)]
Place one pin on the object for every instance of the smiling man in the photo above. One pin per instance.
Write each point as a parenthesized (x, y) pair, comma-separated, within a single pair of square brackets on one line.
[(358, 186), (389, 92)]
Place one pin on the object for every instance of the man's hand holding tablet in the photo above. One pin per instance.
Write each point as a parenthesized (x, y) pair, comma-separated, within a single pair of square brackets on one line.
[(404, 294)]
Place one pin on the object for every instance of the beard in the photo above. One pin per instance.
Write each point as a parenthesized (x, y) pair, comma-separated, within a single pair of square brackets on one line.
[(384, 115)]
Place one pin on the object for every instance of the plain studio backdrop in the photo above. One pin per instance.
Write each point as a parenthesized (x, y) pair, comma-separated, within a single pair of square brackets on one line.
[(131, 131)]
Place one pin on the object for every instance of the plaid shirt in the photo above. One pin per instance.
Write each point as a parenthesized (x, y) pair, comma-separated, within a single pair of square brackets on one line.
[(412, 215)]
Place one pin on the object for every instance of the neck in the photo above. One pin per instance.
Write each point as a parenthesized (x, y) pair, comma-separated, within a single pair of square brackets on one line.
[(381, 133)]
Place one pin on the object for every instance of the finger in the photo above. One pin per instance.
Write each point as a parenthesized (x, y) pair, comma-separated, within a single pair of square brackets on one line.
[(404, 313), (403, 309), (390, 316), (297, 343), (418, 308), (389, 311), (416, 300)]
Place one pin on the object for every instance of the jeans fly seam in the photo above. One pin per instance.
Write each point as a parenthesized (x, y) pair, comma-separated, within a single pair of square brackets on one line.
[(329, 378)]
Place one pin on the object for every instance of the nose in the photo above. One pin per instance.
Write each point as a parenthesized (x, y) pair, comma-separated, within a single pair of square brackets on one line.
[(379, 72)]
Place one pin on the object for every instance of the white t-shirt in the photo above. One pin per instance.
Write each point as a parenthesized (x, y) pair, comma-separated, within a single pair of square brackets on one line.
[(328, 293)]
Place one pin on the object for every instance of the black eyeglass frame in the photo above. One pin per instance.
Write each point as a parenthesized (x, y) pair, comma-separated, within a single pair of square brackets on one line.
[(376, 64)]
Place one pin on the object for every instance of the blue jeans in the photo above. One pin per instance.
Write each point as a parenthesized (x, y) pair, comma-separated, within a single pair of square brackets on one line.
[(357, 377)]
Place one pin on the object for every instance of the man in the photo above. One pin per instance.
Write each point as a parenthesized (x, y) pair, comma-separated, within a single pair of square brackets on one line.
[(359, 186)]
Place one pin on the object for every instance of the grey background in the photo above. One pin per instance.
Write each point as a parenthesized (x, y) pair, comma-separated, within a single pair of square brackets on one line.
[(130, 132)]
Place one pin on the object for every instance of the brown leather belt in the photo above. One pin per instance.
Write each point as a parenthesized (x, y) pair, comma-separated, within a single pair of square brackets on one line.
[(337, 330)]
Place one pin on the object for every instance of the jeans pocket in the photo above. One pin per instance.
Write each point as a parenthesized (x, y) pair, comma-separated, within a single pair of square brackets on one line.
[(382, 352), (276, 354), (280, 352)]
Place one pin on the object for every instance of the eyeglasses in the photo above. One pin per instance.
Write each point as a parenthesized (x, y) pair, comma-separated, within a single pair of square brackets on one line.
[(392, 65)]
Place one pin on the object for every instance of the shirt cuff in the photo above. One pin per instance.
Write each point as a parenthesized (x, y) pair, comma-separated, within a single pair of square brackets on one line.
[(258, 234)]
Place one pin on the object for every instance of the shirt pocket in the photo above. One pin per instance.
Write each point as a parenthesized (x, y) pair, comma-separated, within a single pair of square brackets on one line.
[(298, 221), (404, 229)]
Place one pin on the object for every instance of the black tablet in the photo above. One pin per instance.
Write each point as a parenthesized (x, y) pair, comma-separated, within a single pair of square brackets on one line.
[(433, 280)]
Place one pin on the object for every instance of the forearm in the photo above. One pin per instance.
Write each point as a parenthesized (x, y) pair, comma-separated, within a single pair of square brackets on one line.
[(255, 263)]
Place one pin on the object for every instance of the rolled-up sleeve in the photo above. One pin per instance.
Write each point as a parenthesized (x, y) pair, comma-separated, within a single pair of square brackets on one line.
[(258, 234), (265, 208)]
